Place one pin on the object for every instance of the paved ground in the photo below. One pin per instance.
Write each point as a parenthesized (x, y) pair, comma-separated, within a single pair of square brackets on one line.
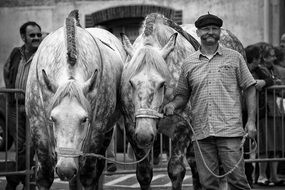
[(128, 181), (121, 182)]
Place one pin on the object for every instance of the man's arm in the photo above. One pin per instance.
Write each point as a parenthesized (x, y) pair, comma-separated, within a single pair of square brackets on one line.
[(178, 102), (250, 95), (10, 68)]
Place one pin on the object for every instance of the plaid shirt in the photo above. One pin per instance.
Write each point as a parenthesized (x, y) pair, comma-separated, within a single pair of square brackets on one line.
[(214, 88)]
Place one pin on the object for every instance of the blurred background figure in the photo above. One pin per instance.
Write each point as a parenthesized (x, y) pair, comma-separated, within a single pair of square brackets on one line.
[(16, 71), (270, 129)]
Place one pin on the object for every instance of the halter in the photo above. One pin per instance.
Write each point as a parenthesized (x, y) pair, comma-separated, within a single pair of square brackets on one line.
[(68, 152), (150, 112), (72, 152)]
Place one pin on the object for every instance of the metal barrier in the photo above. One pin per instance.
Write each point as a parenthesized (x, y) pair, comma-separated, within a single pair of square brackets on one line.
[(9, 165), (273, 99)]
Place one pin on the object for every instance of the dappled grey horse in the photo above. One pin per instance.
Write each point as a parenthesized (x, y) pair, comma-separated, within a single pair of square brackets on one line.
[(71, 102)]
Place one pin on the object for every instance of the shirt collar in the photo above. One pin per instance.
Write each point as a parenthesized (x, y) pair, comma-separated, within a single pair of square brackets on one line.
[(22, 51), (219, 51)]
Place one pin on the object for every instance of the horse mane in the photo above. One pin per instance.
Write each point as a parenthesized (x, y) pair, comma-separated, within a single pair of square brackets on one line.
[(149, 24), (70, 38), (72, 90), (156, 32)]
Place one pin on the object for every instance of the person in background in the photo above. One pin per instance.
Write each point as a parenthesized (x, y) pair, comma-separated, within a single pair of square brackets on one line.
[(16, 71), (212, 79), (270, 124), (279, 62), (253, 60)]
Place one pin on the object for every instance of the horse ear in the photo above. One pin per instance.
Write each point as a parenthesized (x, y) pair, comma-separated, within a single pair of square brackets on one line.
[(89, 84), (127, 45), (169, 46), (51, 87)]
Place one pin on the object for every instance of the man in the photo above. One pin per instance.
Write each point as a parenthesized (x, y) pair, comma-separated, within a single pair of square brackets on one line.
[(212, 79), (16, 72)]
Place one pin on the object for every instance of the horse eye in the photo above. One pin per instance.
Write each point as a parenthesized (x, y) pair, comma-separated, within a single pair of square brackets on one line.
[(161, 84), (84, 119)]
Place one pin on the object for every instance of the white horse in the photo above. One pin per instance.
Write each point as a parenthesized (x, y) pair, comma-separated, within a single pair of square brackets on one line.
[(71, 102)]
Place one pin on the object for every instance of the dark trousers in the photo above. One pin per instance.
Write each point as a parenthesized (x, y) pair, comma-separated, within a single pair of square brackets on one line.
[(21, 144)]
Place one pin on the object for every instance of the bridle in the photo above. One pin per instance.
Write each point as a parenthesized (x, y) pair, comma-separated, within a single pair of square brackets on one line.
[(148, 113), (151, 112)]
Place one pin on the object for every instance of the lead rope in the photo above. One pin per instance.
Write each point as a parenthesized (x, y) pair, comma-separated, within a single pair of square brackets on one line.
[(115, 161), (203, 159)]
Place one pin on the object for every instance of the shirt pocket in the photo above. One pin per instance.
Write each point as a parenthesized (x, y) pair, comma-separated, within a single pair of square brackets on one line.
[(227, 74)]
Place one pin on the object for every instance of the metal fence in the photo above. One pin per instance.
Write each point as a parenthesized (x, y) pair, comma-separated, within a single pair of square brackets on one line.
[(9, 165), (266, 121)]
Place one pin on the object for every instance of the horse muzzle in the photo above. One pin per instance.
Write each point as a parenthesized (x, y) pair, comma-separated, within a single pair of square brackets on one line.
[(66, 168), (145, 132)]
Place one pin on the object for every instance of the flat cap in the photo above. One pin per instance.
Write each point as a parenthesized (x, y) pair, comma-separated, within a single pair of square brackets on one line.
[(208, 19)]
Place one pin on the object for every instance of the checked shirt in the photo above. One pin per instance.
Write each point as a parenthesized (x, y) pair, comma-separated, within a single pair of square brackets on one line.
[(214, 89)]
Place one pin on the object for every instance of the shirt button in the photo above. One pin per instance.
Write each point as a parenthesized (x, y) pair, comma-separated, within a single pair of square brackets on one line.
[(209, 93), (209, 82)]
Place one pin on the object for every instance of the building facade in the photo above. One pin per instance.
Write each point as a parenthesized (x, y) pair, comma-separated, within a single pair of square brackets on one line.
[(250, 20)]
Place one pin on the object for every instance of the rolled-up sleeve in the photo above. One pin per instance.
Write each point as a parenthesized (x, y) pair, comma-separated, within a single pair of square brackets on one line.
[(245, 78)]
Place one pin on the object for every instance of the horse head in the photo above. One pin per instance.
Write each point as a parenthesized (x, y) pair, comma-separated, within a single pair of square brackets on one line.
[(70, 111), (145, 80), (70, 117)]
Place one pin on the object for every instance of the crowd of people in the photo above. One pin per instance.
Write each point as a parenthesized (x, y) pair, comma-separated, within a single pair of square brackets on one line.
[(214, 79)]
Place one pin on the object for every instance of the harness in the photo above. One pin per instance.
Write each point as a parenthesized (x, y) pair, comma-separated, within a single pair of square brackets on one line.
[(150, 112)]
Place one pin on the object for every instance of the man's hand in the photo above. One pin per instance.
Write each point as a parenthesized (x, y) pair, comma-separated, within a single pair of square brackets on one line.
[(259, 84), (169, 108), (250, 128)]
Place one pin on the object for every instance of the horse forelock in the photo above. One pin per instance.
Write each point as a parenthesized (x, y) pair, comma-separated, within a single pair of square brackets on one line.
[(147, 58), (72, 89), (156, 32), (71, 40)]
